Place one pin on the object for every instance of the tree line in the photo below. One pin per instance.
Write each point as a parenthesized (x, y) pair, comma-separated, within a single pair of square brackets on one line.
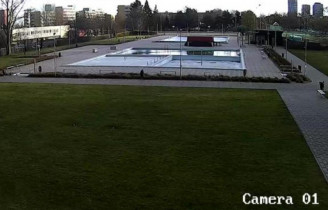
[(143, 18)]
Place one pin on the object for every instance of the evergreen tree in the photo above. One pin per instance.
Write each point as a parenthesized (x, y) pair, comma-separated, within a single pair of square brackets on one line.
[(157, 19), (147, 16), (167, 24), (135, 18)]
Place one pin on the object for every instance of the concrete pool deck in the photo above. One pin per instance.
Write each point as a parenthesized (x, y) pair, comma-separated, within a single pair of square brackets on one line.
[(256, 65)]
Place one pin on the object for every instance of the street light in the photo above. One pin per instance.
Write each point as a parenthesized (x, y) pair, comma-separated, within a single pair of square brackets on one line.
[(260, 15), (275, 34), (286, 45), (55, 68), (180, 56), (305, 56)]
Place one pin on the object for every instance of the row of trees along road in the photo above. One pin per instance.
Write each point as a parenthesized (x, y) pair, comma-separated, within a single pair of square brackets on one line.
[(143, 18)]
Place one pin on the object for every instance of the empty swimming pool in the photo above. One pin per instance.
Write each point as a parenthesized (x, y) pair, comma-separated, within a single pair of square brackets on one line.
[(169, 58), (146, 51)]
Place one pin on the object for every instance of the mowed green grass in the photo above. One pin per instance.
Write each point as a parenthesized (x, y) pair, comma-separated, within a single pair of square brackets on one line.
[(317, 59), (112, 147), (6, 61)]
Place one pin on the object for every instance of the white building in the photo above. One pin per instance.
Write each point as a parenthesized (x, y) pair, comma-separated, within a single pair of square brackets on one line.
[(69, 13), (47, 32), (48, 15), (91, 13)]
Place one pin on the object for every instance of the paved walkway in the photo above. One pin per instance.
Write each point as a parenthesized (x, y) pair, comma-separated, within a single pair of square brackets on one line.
[(309, 110)]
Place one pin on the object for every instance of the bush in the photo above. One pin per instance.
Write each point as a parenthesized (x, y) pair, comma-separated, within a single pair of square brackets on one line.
[(164, 77), (276, 57), (143, 33), (298, 78), (122, 34)]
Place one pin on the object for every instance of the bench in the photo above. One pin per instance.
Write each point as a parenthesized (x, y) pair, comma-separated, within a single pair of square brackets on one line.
[(321, 93), (168, 72), (69, 71), (106, 71), (10, 67)]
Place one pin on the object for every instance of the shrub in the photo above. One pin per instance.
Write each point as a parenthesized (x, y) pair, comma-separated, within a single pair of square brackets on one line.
[(298, 78), (164, 77)]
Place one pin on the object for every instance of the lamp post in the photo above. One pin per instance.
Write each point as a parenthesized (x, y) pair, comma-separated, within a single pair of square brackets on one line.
[(180, 56), (69, 38), (55, 68), (286, 45), (275, 34), (260, 17), (305, 56)]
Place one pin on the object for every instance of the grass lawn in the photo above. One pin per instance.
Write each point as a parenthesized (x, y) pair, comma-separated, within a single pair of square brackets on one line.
[(6, 61), (15, 59), (317, 59), (111, 147)]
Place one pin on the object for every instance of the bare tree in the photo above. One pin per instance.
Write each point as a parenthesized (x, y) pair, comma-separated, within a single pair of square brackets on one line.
[(13, 8)]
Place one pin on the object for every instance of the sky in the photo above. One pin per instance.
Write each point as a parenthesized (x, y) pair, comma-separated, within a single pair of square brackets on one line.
[(110, 6)]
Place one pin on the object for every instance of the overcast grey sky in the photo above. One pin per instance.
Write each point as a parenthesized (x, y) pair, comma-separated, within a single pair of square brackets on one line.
[(109, 6)]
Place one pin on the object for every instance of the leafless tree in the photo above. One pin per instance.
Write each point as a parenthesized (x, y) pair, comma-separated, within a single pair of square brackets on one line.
[(13, 9)]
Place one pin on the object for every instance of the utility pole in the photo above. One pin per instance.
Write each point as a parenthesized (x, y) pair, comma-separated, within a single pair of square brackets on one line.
[(305, 56), (55, 68), (180, 56), (286, 45)]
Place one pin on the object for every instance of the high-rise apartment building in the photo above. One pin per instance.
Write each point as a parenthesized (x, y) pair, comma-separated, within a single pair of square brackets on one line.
[(317, 9), (3, 18), (69, 14), (123, 11), (306, 10), (59, 16), (91, 13), (32, 18), (292, 7), (48, 15)]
